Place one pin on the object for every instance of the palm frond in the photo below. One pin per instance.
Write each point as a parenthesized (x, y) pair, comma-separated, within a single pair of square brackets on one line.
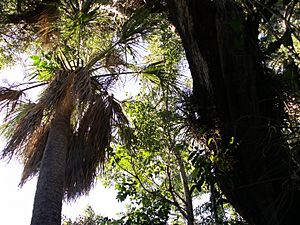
[(137, 25), (156, 73), (9, 98), (33, 153), (98, 56), (83, 90), (86, 6), (13, 119), (46, 18), (87, 152), (27, 125), (56, 90), (119, 116), (27, 132)]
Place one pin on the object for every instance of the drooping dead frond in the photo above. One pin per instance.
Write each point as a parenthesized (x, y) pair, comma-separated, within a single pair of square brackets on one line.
[(114, 59), (9, 98), (87, 152), (57, 89), (83, 89), (33, 152), (9, 94), (28, 134), (23, 130), (119, 116), (120, 126), (46, 18)]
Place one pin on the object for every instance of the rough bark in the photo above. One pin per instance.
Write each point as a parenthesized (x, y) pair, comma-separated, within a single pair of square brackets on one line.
[(232, 88), (50, 186)]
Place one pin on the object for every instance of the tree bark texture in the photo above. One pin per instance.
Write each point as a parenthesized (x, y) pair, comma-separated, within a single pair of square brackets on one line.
[(50, 186), (232, 89)]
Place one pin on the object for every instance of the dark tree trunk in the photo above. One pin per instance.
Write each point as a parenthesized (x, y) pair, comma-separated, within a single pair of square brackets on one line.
[(232, 90), (50, 186)]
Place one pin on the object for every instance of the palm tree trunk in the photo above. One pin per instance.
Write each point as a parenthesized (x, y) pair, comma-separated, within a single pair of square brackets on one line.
[(231, 85), (50, 186)]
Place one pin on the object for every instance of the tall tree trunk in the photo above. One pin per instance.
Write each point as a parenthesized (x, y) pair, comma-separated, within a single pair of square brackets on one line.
[(214, 204), (50, 186), (186, 190), (232, 88)]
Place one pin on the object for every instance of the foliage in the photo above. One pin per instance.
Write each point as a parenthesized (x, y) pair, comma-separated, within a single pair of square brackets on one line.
[(141, 168), (72, 73), (90, 218), (78, 65), (145, 167), (80, 49), (136, 216)]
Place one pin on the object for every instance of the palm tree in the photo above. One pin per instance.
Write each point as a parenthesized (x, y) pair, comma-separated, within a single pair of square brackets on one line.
[(65, 134)]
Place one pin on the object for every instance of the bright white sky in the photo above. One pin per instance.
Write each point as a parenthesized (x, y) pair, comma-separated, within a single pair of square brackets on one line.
[(16, 204)]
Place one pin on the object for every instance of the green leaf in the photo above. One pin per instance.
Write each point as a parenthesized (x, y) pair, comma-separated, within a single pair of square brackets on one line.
[(36, 60), (209, 141), (231, 141)]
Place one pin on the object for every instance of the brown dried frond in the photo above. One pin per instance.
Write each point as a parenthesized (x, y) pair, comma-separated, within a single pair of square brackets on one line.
[(56, 91), (114, 59), (83, 89), (45, 20), (87, 152), (23, 131), (44, 109), (114, 62), (122, 130), (118, 114), (9, 98), (33, 153)]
